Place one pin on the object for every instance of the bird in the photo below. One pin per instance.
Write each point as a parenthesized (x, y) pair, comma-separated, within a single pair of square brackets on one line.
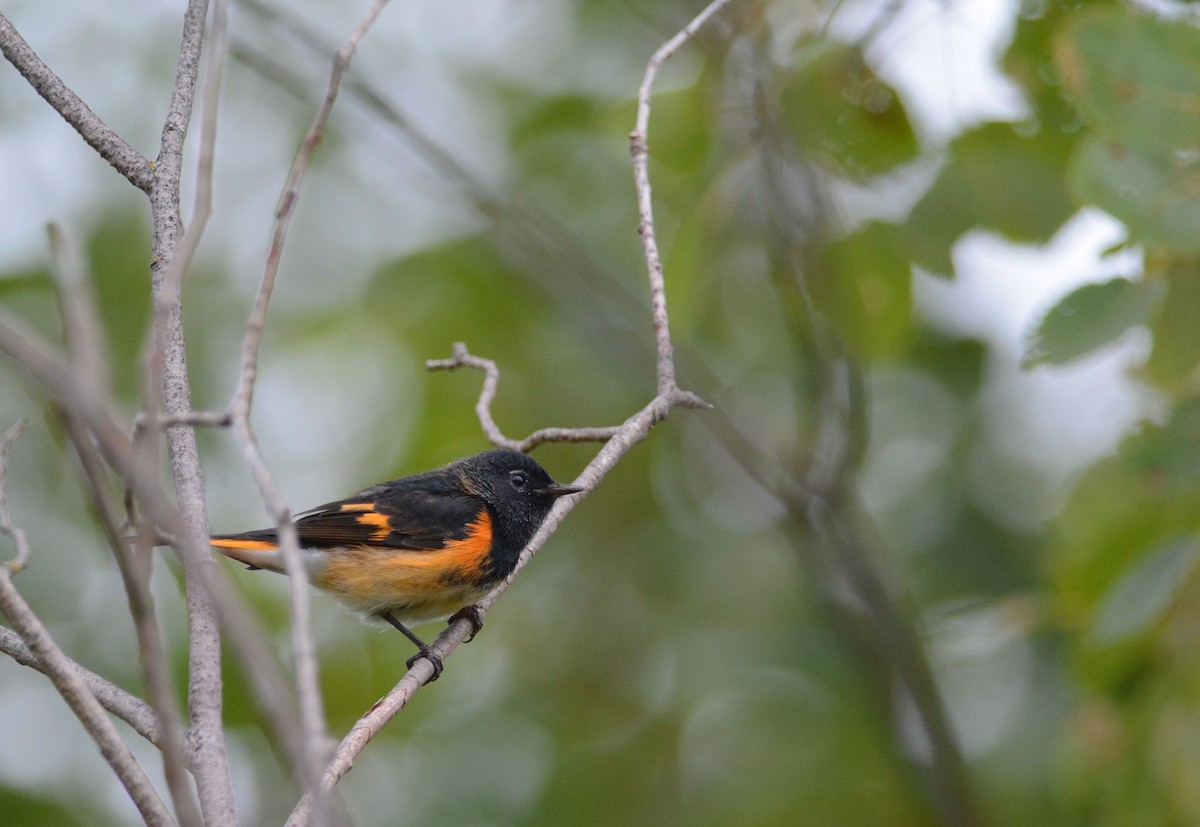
[(418, 548)]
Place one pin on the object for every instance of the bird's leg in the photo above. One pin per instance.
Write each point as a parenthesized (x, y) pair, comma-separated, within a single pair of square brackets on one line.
[(424, 651), (471, 614)]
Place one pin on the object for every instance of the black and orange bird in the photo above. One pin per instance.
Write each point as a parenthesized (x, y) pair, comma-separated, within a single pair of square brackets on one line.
[(418, 548)]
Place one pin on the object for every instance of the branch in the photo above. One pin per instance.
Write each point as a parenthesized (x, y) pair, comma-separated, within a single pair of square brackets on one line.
[(111, 146), (633, 431), (67, 680), (86, 708), (89, 369), (213, 782), (483, 408), (312, 713), (639, 148), (271, 691), (129, 708), (134, 565)]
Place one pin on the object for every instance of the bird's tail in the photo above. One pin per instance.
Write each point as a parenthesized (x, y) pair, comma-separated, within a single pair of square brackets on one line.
[(258, 550)]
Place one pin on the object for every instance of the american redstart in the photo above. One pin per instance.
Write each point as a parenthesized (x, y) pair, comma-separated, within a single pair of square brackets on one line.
[(417, 548)]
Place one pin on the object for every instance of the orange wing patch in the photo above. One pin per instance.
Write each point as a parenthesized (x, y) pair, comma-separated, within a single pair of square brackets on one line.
[(357, 506), (383, 526)]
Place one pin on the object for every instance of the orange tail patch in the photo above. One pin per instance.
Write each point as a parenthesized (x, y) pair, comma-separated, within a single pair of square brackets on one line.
[(259, 554)]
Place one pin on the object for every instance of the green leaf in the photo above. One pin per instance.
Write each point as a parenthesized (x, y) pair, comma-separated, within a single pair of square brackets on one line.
[(997, 179), (1157, 196), (1090, 318), (835, 106), (1144, 591), (1135, 79)]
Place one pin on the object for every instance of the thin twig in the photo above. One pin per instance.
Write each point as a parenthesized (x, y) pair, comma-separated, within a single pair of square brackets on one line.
[(312, 713), (131, 709), (134, 565), (111, 146), (639, 149), (88, 364), (483, 407), (270, 690), (67, 680)]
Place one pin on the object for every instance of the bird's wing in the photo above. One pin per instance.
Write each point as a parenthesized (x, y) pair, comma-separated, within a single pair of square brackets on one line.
[(386, 516)]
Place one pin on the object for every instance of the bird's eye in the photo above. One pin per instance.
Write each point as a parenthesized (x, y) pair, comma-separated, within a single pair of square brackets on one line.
[(518, 479)]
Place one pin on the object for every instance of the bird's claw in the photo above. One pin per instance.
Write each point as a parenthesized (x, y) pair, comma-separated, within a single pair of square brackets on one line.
[(434, 659), (473, 616)]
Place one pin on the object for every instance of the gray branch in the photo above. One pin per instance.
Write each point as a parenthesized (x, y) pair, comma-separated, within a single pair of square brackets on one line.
[(111, 146)]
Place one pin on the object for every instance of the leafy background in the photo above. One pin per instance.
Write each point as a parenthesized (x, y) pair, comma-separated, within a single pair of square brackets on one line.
[(992, 209)]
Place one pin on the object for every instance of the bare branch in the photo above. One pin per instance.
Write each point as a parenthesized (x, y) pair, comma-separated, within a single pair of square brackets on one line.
[(163, 188), (213, 66), (640, 150), (287, 205), (483, 408), (111, 146), (311, 708), (70, 685), (89, 369), (129, 708), (134, 564), (213, 782), (216, 791), (271, 691)]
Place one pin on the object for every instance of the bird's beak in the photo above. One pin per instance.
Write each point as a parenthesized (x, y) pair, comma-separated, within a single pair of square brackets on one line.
[(557, 490)]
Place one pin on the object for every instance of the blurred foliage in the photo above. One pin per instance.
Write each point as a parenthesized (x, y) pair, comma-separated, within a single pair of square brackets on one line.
[(672, 656), (1109, 309)]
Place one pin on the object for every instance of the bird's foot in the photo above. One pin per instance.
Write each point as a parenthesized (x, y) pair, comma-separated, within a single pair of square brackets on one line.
[(434, 659), (473, 615)]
